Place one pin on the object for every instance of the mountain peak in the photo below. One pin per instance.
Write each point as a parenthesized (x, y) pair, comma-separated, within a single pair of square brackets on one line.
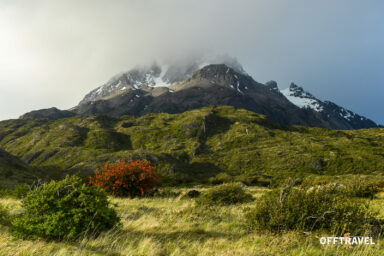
[(329, 110), (157, 75), (299, 91), (272, 85), (189, 85), (298, 96), (294, 86), (136, 78), (214, 71), (219, 74)]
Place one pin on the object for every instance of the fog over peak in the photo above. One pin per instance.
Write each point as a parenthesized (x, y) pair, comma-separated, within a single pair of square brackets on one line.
[(194, 60), (54, 52)]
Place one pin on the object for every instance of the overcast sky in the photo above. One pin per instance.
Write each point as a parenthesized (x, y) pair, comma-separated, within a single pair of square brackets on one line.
[(53, 52)]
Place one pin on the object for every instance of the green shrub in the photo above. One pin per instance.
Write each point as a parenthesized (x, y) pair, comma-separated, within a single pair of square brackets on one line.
[(193, 194), (363, 188), (20, 191), (308, 210), (226, 194), (249, 180), (353, 186), (280, 179), (165, 192), (3, 192), (252, 180), (4, 216), (221, 178), (66, 209)]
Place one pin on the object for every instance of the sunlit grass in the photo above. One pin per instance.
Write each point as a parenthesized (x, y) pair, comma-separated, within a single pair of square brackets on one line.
[(174, 226)]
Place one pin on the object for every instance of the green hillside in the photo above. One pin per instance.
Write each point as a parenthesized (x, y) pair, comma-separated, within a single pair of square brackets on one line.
[(194, 146), (13, 171)]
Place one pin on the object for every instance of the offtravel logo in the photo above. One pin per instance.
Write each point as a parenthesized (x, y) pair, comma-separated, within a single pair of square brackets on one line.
[(347, 240)]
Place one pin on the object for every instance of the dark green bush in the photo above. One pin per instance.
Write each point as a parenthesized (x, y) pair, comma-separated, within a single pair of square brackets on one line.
[(252, 180), (221, 178), (19, 191), (193, 194), (249, 180), (308, 210), (279, 179), (165, 192), (66, 209), (226, 194), (363, 188), (4, 216), (3, 192)]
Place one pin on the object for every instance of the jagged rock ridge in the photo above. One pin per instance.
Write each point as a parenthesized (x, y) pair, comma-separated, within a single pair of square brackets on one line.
[(177, 89), (327, 109)]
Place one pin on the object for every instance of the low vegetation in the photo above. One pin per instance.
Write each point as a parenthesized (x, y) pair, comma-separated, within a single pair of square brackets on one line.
[(365, 189), (4, 216), (136, 178), (354, 186), (165, 193), (175, 226), (193, 193), (321, 208), (18, 191), (226, 194), (66, 209)]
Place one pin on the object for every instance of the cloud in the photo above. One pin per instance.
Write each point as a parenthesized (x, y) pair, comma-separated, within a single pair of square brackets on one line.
[(54, 52)]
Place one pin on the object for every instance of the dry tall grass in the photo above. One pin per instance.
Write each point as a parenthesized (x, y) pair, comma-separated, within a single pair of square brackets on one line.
[(173, 226)]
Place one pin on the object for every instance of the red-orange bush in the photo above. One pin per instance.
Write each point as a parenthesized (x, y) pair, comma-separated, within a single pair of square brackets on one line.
[(135, 178)]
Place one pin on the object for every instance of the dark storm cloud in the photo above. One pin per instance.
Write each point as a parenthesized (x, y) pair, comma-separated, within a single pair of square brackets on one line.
[(53, 52)]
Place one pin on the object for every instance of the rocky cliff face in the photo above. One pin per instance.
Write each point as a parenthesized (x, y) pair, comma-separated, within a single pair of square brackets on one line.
[(335, 114), (175, 89), (152, 76)]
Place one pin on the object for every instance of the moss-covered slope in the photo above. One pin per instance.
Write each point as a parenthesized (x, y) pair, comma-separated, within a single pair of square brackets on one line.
[(14, 172), (194, 145)]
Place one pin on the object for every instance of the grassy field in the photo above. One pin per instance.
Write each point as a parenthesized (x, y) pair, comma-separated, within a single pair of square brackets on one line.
[(174, 226)]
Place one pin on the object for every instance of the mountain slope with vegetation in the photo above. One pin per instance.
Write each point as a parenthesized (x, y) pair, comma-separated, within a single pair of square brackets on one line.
[(193, 146), (13, 171)]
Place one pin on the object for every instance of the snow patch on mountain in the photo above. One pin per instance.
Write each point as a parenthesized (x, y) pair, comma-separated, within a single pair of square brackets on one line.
[(160, 81), (349, 115), (302, 99)]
